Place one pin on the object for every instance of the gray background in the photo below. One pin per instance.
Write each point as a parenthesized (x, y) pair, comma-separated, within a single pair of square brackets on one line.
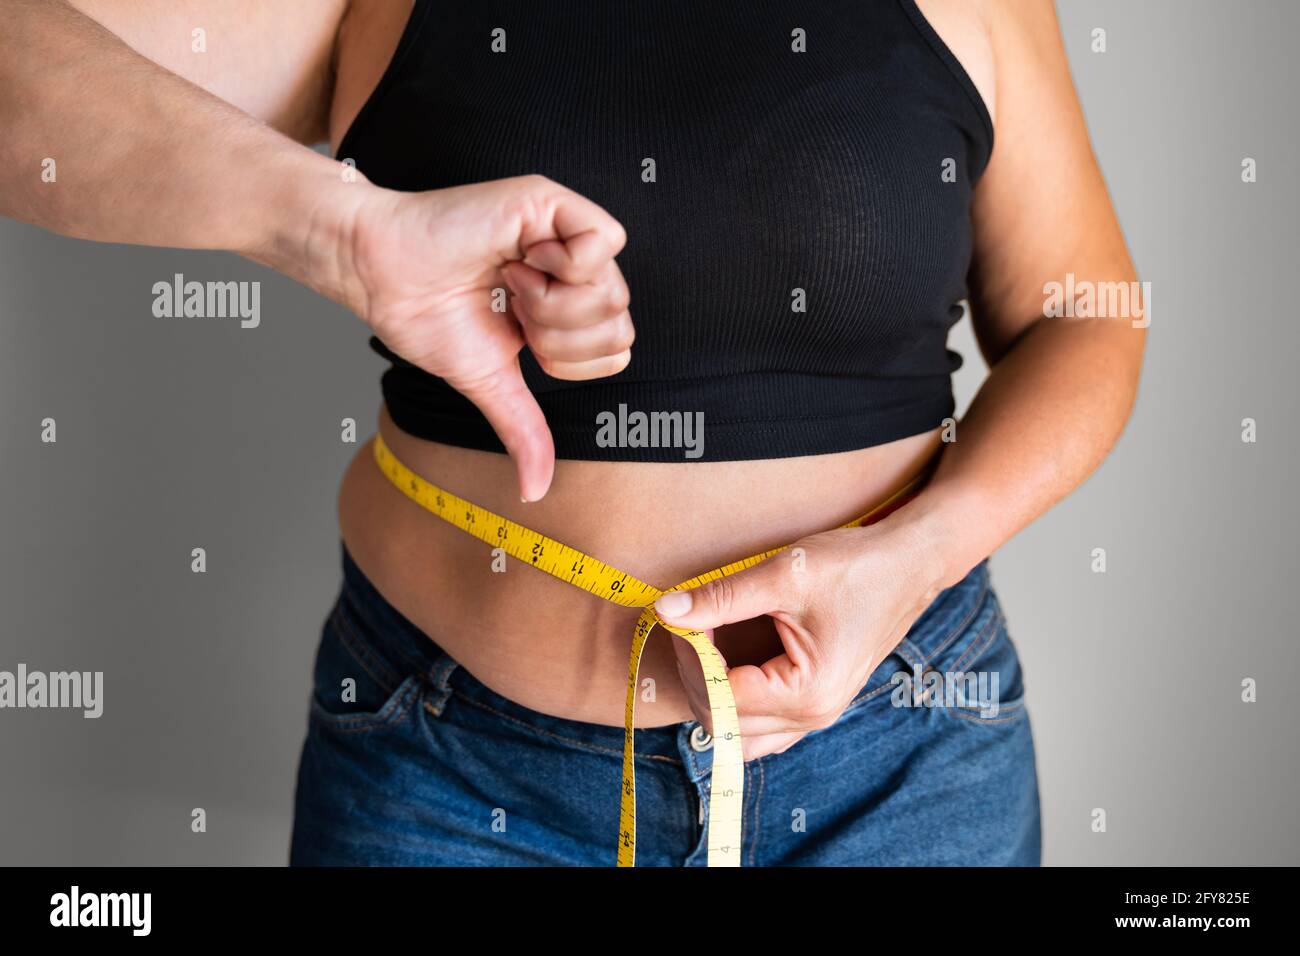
[(174, 434)]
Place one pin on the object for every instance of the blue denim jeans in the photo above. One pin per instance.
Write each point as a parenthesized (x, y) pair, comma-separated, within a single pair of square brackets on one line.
[(427, 766)]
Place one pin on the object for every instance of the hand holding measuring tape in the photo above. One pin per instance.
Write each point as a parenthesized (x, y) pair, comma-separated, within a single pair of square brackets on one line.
[(840, 600), (726, 786)]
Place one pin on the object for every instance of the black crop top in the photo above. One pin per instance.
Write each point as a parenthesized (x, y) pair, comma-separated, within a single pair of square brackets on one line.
[(801, 254)]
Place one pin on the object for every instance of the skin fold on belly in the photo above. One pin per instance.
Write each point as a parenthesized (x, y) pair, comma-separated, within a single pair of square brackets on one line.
[(553, 647)]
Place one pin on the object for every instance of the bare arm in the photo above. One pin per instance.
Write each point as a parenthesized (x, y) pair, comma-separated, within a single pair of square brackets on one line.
[(1060, 389), (143, 155)]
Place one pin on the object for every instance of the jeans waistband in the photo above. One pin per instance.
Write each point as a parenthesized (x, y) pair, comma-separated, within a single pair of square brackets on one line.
[(398, 642), (406, 649)]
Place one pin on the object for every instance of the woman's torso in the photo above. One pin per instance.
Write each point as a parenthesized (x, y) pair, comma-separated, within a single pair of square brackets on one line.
[(535, 639)]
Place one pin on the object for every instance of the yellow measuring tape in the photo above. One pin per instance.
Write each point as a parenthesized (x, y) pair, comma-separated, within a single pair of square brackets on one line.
[(726, 788)]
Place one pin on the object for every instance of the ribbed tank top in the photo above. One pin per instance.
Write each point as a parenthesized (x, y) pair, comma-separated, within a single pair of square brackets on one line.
[(794, 177)]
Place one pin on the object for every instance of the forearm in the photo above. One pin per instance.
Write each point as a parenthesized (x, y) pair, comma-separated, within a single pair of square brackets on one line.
[(1049, 412), (141, 155)]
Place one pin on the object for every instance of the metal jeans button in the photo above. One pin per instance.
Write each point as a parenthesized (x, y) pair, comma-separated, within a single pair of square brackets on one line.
[(700, 740)]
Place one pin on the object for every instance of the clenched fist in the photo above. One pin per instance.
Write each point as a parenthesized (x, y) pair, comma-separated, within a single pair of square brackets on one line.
[(424, 268)]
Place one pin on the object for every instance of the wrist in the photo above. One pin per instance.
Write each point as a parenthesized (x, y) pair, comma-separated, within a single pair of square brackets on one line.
[(939, 533), (308, 229)]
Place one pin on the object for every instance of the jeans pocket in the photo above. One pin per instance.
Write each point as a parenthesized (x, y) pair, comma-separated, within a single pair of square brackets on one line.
[(943, 626), (979, 677), (354, 688), (957, 657)]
